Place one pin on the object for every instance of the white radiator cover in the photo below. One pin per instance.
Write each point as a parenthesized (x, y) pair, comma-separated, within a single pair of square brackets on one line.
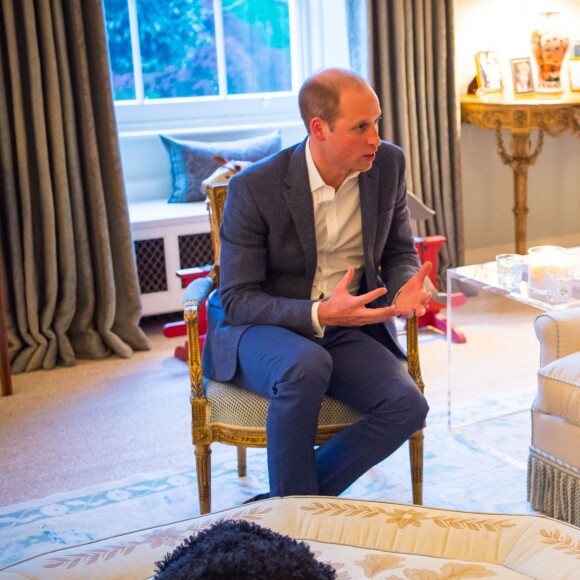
[(167, 237)]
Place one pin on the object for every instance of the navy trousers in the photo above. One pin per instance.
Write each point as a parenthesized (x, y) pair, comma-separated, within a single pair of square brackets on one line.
[(295, 373)]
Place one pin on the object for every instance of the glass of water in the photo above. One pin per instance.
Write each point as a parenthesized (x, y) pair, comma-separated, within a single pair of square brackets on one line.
[(509, 271)]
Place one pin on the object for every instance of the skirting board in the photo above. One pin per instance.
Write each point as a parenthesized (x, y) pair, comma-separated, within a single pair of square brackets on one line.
[(488, 253)]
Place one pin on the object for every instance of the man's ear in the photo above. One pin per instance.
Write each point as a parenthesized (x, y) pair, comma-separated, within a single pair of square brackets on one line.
[(318, 129)]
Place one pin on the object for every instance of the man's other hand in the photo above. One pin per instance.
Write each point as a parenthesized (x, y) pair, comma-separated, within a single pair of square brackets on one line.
[(413, 298)]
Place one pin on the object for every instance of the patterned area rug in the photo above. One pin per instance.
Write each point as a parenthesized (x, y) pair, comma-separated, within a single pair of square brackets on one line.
[(464, 469)]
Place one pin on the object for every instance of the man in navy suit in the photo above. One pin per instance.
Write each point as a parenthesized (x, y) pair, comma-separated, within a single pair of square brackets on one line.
[(317, 259)]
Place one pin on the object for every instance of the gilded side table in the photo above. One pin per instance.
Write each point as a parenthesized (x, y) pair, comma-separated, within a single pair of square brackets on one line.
[(551, 114)]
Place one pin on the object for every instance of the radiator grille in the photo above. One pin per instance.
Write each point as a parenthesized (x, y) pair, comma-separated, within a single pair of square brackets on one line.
[(151, 269), (195, 250)]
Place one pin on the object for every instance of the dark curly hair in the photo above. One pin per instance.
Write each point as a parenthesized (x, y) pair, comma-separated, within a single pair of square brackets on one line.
[(244, 551)]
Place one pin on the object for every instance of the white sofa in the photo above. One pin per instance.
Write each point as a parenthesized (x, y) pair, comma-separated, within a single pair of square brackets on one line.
[(554, 459), (361, 539)]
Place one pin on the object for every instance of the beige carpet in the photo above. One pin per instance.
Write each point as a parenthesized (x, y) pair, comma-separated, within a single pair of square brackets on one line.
[(101, 421), (98, 421)]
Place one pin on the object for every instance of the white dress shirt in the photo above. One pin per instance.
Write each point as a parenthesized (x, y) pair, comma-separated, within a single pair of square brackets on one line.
[(339, 243)]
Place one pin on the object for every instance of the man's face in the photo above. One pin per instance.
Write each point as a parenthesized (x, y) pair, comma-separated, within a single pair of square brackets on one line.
[(354, 139)]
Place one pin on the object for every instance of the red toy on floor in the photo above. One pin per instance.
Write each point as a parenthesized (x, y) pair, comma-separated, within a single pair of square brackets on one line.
[(174, 329), (428, 249)]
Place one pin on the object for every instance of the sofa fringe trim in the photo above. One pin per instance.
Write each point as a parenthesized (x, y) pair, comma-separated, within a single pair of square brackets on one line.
[(553, 490)]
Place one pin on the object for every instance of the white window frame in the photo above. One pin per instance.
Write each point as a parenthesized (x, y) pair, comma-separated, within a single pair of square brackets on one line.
[(321, 42)]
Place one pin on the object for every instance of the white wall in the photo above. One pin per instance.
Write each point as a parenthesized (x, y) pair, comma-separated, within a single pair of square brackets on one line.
[(553, 183)]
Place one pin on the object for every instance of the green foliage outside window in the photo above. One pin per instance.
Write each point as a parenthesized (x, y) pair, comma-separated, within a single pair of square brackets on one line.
[(178, 49)]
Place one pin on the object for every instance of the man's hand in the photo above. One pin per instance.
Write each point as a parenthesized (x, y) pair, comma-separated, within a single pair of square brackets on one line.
[(344, 309), (413, 298)]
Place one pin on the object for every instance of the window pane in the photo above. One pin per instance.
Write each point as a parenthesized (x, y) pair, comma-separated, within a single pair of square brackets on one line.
[(119, 41), (257, 46), (178, 52)]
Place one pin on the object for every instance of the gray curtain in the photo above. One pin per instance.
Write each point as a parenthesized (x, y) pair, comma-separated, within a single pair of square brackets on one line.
[(405, 48), (66, 239)]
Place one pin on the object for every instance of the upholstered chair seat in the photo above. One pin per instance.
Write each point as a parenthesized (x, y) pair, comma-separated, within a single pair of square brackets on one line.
[(233, 406)]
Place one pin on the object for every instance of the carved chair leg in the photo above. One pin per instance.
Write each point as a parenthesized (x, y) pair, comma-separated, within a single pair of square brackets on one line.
[(241, 461), (416, 456), (203, 469)]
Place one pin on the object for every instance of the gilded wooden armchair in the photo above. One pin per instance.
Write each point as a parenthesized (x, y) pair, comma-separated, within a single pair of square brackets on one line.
[(225, 413)]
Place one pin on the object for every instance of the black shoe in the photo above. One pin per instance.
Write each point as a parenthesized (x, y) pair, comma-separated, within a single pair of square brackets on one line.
[(257, 498)]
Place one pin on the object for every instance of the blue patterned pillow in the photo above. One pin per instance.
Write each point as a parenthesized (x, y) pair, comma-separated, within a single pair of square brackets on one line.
[(192, 161)]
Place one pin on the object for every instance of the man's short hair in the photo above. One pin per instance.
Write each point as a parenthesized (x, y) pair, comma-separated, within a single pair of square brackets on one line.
[(319, 95), (244, 551)]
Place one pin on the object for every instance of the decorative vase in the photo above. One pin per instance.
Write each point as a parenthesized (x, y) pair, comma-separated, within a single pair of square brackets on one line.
[(550, 42)]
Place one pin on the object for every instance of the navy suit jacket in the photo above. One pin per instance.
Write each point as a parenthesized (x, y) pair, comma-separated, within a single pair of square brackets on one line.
[(268, 251)]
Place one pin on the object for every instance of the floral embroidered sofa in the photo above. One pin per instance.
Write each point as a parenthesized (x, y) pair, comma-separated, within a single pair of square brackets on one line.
[(360, 539)]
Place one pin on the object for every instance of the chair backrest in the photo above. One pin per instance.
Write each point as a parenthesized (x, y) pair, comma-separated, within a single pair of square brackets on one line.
[(216, 200), (418, 210)]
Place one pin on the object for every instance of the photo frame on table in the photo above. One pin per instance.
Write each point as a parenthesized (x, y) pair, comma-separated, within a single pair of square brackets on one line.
[(522, 76), (488, 71), (574, 73)]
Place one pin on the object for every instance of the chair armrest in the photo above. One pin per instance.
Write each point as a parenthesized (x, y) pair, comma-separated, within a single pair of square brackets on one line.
[(558, 333), (413, 362), (193, 298), (196, 293)]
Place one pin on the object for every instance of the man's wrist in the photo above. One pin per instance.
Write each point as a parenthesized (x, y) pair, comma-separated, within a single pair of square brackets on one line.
[(318, 329)]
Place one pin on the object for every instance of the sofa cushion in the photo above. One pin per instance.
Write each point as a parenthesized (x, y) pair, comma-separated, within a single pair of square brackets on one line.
[(557, 439), (360, 539), (559, 388), (192, 161)]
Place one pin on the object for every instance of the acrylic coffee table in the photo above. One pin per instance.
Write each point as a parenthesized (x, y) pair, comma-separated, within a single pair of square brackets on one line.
[(499, 361)]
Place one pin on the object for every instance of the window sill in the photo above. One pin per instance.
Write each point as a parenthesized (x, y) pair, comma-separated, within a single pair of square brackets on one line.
[(210, 130)]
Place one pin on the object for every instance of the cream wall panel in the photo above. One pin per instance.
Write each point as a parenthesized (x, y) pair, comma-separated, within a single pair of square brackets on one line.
[(554, 182)]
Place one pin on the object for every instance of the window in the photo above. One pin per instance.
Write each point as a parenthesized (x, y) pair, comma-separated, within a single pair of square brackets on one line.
[(198, 48), (207, 63)]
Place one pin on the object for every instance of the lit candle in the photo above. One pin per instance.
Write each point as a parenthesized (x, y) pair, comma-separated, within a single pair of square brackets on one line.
[(540, 258)]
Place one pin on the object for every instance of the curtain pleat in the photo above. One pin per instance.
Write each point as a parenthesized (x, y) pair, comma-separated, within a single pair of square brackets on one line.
[(73, 290), (409, 52)]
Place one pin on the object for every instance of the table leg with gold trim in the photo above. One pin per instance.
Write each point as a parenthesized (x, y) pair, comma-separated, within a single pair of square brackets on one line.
[(519, 161)]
